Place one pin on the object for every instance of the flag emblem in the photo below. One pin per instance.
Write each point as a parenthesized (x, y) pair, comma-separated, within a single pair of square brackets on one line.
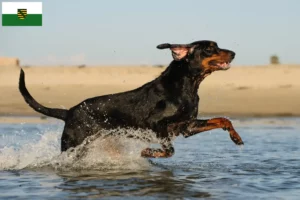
[(22, 13)]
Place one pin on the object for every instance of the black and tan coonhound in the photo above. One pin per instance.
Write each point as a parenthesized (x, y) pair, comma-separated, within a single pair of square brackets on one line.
[(167, 105)]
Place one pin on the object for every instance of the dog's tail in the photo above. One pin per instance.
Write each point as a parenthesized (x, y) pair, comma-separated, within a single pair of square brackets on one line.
[(52, 112)]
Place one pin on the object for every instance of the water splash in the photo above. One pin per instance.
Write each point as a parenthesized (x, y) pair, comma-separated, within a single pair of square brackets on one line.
[(111, 149), (30, 153)]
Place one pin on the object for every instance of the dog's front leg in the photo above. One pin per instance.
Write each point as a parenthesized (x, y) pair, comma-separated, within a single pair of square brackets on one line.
[(189, 128), (166, 151)]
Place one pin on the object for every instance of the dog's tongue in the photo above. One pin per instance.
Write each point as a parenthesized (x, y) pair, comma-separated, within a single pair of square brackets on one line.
[(224, 65)]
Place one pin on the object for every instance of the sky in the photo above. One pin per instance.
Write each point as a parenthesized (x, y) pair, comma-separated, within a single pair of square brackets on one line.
[(126, 32)]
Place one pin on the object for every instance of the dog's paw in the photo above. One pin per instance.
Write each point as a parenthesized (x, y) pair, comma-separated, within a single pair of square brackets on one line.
[(155, 153), (236, 138), (146, 153)]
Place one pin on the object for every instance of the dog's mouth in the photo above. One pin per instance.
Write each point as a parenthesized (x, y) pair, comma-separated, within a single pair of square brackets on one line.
[(223, 65), (217, 65)]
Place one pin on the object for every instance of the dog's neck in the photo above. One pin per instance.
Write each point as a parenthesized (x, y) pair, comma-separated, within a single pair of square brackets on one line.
[(183, 73)]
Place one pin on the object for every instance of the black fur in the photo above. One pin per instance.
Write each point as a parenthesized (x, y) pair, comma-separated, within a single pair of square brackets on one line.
[(170, 98)]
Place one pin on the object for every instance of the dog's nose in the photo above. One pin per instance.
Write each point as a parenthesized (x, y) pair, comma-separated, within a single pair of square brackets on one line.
[(232, 55)]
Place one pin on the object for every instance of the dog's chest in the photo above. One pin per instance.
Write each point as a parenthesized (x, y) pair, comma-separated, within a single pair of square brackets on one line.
[(183, 109), (188, 107)]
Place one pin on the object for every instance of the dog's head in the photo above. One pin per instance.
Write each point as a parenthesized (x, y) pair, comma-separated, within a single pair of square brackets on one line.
[(204, 54)]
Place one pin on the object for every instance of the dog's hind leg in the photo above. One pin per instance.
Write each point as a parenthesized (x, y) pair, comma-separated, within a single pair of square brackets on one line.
[(65, 141), (70, 139), (166, 151)]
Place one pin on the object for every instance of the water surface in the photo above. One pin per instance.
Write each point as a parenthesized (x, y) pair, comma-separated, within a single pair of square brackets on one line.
[(207, 165)]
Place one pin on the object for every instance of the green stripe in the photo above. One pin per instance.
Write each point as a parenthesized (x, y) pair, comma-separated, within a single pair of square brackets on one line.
[(30, 20)]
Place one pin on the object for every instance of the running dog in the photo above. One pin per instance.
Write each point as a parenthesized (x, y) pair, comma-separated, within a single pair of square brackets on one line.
[(167, 105)]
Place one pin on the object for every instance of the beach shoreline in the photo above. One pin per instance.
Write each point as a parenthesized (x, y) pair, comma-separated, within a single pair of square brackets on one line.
[(256, 91)]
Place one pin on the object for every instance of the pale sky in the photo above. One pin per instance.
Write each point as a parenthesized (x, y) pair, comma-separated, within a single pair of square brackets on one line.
[(96, 32)]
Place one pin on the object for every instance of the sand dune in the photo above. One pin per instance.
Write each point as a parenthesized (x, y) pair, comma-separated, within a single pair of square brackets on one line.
[(244, 90)]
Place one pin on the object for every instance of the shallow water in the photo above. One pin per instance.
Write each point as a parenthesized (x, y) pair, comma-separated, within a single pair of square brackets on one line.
[(207, 165)]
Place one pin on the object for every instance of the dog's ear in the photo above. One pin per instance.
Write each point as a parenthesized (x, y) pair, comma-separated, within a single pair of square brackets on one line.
[(179, 51)]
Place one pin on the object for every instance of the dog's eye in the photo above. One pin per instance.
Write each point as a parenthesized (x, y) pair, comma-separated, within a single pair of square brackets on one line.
[(209, 50)]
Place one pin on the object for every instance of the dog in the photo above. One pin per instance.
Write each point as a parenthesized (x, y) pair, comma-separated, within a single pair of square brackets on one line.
[(167, 105)]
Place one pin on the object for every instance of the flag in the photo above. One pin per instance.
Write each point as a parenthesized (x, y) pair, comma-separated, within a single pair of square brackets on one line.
[(22, 14)]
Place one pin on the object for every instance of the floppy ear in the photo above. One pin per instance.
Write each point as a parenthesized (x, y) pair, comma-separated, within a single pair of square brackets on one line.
[(179, 51)]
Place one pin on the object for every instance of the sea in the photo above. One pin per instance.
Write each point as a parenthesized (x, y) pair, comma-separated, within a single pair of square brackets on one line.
[(206, 166)]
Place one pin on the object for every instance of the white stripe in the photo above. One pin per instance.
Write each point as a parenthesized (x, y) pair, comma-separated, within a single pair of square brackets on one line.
[(12, 7)]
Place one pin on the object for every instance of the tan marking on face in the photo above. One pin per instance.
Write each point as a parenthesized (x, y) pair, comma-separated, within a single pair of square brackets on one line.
[(212, 44), (218, 58)]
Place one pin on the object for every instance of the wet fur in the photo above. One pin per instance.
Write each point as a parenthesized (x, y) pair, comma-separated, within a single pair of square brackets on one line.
[(159, 105)]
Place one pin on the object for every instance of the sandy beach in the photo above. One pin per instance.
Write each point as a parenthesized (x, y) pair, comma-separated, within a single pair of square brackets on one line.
[(240, 91)]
